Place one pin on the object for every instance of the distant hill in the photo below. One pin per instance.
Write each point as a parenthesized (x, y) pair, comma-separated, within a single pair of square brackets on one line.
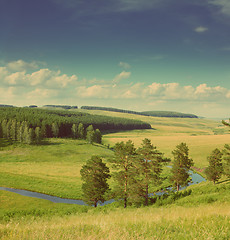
[(146, 113), (168, 114), (61, 106), (5, 105)]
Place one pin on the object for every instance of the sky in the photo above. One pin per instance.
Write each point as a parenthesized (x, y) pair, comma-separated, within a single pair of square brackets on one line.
[(140, 55)]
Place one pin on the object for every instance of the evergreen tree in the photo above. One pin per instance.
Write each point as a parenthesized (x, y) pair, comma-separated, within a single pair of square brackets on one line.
[(125, 175), (215, 168), (81, 131), (149, 164), (55, 130), (94, 175), (226, 158), (181, 165)]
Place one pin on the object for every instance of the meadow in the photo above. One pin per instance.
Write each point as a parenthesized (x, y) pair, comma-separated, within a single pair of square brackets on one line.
[(54, 168)]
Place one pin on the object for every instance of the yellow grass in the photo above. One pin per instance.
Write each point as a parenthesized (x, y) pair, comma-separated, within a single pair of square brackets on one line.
[(148, 223)]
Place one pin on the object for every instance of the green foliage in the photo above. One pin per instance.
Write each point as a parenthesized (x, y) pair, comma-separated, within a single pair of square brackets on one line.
[(181, 165), (65, 119), (226, 158), (90, 134), (123, 162), (74, 131), (94, 175), (149, 164), (215, 168)]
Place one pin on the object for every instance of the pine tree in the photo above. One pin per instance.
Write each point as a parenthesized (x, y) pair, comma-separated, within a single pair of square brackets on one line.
[(149, 164), (226, 158), (181, 165), (215, 168), (124, 163), (94, 175)]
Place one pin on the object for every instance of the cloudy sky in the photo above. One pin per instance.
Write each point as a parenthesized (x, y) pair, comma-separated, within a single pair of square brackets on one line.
[(131, 54)]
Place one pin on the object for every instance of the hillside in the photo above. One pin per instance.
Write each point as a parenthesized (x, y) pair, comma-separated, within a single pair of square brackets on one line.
[(146, 113)]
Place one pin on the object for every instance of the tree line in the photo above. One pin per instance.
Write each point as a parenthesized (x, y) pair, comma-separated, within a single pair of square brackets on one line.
[(25, 133), (136, 170), (145, 113), (64, 119)]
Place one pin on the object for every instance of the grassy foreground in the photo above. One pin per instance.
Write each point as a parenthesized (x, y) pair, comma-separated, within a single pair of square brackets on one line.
[(202, 222)]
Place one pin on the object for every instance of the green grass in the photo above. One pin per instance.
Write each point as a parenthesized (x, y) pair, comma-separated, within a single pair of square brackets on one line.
[(52, 169), (195, 216)]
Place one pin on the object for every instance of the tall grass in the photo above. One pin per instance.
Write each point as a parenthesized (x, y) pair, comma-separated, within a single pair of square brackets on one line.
[(202, 222)]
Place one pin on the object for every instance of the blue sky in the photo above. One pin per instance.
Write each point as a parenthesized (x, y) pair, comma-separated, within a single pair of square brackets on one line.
[(131, 54)]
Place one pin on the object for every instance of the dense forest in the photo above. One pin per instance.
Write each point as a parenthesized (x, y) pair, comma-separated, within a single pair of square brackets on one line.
[(59, 123), (146, 113), (168, 114)]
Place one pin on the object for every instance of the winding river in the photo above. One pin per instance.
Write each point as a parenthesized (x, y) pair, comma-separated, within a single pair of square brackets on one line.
[(196, 178)]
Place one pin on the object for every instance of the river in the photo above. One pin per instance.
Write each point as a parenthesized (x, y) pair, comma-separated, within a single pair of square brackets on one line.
[(196, 178)]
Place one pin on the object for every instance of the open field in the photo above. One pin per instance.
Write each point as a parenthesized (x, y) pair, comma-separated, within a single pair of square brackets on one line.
[(201, 135), (53, 168)]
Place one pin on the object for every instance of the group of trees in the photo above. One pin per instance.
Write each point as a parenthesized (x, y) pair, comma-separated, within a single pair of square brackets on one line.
[(20, 131), (136, 171), (91, 135), (25, 133), (65, 119), (219, 164)]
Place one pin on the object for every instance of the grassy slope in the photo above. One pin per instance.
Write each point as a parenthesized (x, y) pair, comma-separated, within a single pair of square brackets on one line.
[(196, 216), (54, 169)]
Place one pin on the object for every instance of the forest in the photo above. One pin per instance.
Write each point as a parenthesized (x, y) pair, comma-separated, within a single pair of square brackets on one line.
[(146, 113), (44, 123)]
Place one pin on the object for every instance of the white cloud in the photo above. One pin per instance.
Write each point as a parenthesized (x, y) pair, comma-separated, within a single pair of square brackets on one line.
[(95, 91), (200, 29), (175, 91), (21, 65), (45, 77), (122, 75), (16, 78), (39, 93), (224, 5), (124, 65)]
